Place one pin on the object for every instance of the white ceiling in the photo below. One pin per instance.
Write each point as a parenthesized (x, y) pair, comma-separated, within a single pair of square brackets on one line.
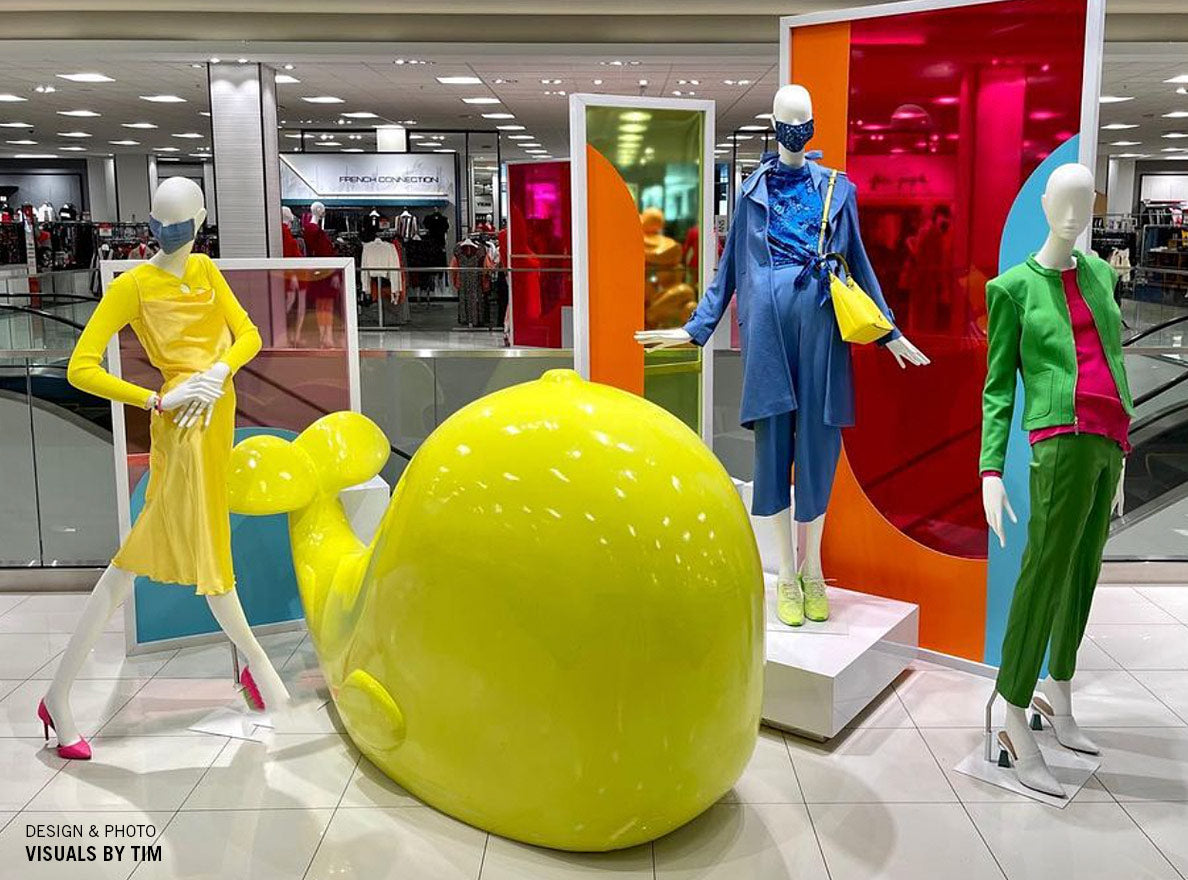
[(1138, 72)]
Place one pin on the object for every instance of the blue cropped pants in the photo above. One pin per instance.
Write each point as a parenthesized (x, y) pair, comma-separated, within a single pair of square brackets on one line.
[(801, 436)]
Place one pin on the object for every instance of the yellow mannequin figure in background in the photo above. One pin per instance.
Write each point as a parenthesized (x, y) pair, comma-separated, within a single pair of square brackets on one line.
[(669, 300), (197, 335)]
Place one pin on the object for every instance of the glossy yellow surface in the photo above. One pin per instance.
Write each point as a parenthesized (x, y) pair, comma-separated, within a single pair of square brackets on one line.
[(557, 633)]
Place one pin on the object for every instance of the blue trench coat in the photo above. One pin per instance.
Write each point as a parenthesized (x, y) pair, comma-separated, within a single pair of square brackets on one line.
[(745, 270)]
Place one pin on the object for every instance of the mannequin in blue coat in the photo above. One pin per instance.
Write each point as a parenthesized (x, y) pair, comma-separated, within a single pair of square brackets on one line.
[(769, 263)]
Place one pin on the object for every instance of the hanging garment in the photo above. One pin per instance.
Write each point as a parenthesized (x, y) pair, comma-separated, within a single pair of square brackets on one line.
[(406, 226), (186, 325), (382, 261), (437, 226), (470, 276), (1030, 332), (44, 213), (289, 244)]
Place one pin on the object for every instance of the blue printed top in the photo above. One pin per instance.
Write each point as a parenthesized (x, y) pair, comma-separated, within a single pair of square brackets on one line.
[(795, 222)]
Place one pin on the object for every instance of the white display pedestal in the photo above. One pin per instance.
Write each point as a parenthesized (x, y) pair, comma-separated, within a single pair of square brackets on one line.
[(819, 676)]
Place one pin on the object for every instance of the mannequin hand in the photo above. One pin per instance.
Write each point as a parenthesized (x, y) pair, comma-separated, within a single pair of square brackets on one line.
[(1120, 493), (654, 340), (195, 396), (994, 499), (906, 353)]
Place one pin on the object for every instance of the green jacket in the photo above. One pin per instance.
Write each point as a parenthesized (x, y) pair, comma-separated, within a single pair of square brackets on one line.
[(1029, 331)]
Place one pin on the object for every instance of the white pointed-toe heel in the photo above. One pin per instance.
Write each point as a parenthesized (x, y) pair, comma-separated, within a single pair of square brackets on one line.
[(1068, 733), (1032, 770)]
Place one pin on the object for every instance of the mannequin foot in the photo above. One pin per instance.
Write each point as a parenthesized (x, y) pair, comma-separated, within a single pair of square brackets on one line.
[(790, 601), (816, 603), (70, 747), (1067, 731), (1032, 770), (262, 680)]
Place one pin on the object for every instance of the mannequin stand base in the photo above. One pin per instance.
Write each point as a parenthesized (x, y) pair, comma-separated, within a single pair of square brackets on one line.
[(819, 676), (236, 722), (1073, 771)]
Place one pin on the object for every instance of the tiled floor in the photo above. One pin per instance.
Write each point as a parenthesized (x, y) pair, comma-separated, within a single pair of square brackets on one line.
[(880, 801)]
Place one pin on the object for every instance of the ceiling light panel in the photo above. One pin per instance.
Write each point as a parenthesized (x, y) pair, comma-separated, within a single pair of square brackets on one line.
[(82, 114), (322, 99), (85, 77), (459, 80), (481, 101), (163, 99)]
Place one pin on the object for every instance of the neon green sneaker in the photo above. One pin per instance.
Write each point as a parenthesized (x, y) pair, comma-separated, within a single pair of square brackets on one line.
[(790, 602), (816, 603)]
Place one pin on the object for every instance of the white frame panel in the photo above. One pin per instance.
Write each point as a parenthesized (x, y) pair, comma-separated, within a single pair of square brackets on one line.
[(107, 272), (578, 104)]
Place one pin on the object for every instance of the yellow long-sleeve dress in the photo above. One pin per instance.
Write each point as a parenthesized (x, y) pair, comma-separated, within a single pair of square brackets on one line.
[(186, 325)]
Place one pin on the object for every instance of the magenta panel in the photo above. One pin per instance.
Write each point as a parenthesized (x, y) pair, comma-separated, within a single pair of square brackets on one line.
[(541, 251)]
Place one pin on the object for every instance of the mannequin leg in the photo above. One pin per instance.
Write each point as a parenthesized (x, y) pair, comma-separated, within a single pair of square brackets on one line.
[(814, 531), (1030, 767), (783, 530), (229, 613), (112, 588)]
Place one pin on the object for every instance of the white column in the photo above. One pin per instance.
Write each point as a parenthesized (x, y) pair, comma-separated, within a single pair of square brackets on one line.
[(208, 187), (391, 139), (246, 164), (101, 187), (133, 196), (1120, 187)]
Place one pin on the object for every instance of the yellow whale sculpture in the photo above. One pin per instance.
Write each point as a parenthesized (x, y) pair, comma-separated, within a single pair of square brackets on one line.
[(557, 633)]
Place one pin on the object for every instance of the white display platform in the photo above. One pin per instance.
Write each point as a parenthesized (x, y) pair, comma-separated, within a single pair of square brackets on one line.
[(819, 676), (1071, 769), (816, 682)]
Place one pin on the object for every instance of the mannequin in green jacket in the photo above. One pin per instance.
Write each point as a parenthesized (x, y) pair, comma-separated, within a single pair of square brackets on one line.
[(1075, 476)]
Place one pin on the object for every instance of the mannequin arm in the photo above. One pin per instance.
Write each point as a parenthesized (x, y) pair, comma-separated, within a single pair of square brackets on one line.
[(653, 340), (716, 298), (906, 353), (1002, 367), (247, 338), (118, 308), (1120, 493), (994, 501)]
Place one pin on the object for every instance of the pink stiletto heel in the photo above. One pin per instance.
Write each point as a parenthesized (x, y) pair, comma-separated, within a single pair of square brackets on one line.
[(79, 751), (250, 691)]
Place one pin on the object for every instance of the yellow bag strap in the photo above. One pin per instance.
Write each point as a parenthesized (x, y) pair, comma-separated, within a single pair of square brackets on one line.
[(825, 212)]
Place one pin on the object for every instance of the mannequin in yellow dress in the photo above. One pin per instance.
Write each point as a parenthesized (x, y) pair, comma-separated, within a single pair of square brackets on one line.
[(197, 335)]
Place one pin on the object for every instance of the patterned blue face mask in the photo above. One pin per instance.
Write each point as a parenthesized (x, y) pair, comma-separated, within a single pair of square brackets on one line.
[(794, 137), (172, 236)]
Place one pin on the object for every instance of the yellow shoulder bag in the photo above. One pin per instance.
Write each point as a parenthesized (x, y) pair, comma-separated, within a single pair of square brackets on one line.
[(858, 318)]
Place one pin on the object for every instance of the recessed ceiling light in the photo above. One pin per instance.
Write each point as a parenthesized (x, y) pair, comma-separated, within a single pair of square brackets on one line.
[(408, 122), (766, 116), (189, 135), (294, 136), (1135, 144), (643, 82), (353, 150), (1131, 144), (74, 134), (480, 101), (1132, 155), (204, 113), (550, 82), (85, 114), (322, 99), (36, 156), (163, 99), (445, 151), (410, 61), (360, 114), (1175, 134), (22, 143), (739, 137), (459, 80), (688, 82), (727, 145), (597, 82), (200, 155), (124, 143), (1176, 80), (242, 60), (329, 143), (15, 125), (499, 116), (754, 128), (285, 80), (1119, 126), (215, 60), (288, 67), (510, 137), (1115, 99), (636, 116), (71, 149), (167, 149), (536, 152), (137, 125), (44, 90), (8, 98), (1176, 114), (168, 159), (510, 127), (85, 77)]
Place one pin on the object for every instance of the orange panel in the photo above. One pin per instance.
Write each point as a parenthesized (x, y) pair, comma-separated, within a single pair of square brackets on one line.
[(615, 249), (821, 63), (865, 552)]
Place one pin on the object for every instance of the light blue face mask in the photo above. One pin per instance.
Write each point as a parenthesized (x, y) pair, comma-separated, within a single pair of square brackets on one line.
[(172, 236)]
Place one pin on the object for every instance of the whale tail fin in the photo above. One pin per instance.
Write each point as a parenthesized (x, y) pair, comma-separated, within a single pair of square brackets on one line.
[(303, 477)]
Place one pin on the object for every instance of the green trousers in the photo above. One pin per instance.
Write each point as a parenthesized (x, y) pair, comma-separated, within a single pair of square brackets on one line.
[(1073, 481)]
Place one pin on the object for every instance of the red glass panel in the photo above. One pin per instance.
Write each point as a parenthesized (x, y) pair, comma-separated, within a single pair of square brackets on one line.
[(949, 112), (540, 246)]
